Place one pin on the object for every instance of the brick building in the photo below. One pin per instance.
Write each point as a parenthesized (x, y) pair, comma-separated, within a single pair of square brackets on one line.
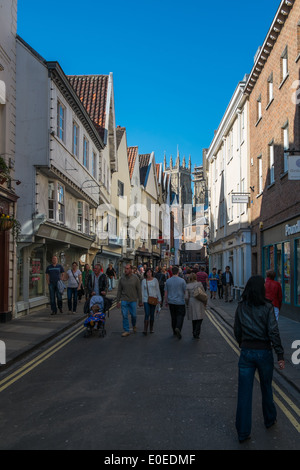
[(273, 90)]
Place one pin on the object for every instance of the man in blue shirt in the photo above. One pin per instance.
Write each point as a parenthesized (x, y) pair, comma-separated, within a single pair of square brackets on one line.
[(53, 274), (174, 293)]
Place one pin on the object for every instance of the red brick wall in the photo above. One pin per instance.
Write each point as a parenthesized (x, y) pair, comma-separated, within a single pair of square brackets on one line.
[(281, 200)]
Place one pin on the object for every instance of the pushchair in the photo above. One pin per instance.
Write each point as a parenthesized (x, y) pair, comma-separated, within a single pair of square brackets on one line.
[(96, 321), (96, 308)]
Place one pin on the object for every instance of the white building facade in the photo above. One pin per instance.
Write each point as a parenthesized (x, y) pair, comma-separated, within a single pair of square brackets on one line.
[(228, 185), (8, 195), (58, 160)]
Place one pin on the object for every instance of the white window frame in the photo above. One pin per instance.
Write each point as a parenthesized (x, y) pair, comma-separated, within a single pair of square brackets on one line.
[(284, 64), (259, 108), (53, 200), (271, 162), (86, 218), (260, 175), (61, 121), (85, 151), (94, 164), (75, 142), (286, 145), (60, 203), (270, 88), (80, 216)]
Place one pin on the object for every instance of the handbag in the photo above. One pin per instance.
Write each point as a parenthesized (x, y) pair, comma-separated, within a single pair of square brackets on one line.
[(199, 294), (61, 286), (151, 300)]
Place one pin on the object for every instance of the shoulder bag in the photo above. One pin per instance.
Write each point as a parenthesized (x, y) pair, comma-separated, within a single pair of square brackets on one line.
[(199, 294), (151, 300)]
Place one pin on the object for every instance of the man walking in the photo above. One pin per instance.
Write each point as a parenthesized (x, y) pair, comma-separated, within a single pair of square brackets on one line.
[(54, 274), (202, 277), (97, 282), (227, 281), (129, 292), (174, 298)]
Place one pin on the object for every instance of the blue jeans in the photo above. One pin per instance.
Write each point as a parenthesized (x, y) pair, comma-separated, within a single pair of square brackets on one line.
[(110, 283), (72, 292), (128, 307), (149, 311), (250, 360), (55, 294)]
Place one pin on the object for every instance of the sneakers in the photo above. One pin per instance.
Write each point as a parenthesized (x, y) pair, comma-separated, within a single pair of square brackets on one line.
[(126, 333), (178, 333)]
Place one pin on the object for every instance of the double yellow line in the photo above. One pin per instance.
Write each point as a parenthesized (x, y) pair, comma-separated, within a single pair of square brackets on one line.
[(283, 397), (18, 374)]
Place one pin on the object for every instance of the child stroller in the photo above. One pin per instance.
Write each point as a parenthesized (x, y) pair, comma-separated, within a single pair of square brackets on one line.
[(95, 321), (96, 309)]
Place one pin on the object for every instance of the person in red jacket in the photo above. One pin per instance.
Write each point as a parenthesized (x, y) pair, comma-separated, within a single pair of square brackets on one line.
[(273, 292)]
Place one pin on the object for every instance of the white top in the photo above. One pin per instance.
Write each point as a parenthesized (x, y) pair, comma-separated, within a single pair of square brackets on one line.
[(73, 281), (153, 288)]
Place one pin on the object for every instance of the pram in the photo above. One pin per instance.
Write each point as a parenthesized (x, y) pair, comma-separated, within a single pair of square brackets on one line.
[(96, 308), (95, 321), (96, 317)]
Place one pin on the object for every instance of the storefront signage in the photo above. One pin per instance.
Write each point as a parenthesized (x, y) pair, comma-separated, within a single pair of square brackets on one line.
[(240, 198), (292, 229), (294, 167)]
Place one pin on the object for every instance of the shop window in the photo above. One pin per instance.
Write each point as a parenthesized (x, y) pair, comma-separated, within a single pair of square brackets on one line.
[(287, 272), (20, 274), (279, 263), (36, 273)]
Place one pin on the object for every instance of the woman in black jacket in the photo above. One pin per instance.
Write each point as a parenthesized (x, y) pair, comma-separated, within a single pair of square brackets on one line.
[(256, 331)]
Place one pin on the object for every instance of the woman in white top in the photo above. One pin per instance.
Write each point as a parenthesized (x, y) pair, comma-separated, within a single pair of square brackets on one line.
[(150, 288), (74, 277)]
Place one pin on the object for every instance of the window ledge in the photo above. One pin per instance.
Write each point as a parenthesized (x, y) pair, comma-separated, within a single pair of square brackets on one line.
[(258, 121), (271, 185), (283, 175), (284, 80), (269, 104), (259, 195)]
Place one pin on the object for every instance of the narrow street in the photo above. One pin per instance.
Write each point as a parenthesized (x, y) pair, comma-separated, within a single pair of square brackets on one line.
[(136, 393)]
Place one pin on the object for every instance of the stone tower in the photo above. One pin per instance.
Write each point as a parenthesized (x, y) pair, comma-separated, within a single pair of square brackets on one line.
[(181, 180)]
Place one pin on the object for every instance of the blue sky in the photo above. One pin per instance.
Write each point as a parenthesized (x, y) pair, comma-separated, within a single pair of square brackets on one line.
[(175, 63)]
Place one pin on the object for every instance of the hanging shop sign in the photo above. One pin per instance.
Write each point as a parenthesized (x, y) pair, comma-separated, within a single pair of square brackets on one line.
[(240, 198), (294, 167)]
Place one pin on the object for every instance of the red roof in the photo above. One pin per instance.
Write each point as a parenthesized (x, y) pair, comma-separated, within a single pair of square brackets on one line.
[(132, 153), (92, 91)]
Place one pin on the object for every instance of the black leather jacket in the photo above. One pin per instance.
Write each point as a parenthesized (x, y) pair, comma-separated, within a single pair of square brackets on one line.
[(257, 326), (103, 283)]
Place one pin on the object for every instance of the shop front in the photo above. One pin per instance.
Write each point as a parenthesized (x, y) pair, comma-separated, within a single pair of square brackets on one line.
[(281, 253), (33, 259), (7, 249), (233, 251)]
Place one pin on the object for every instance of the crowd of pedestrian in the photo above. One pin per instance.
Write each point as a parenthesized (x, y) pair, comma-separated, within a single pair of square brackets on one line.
[(185, 292)]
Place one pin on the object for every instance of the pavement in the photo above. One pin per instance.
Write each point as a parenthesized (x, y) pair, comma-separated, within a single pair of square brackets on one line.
[(26, 334)]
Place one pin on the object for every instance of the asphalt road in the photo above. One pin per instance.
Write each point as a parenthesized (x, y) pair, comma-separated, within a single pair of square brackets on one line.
[(136, 393)]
